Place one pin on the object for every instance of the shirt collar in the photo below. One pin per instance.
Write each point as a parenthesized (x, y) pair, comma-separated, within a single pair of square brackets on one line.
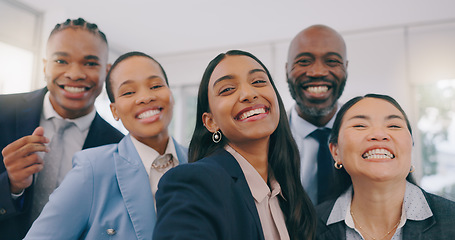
[(415, 207), (83, 123), (258, 187), (148, 154), (304, 128)]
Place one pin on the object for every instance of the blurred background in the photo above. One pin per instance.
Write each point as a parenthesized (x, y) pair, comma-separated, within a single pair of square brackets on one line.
[(404, 48)]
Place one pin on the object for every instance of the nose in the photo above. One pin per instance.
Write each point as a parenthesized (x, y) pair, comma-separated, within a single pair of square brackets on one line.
[(317, 69), (144, 97), (248, 93), (378, 134), (75, 72)]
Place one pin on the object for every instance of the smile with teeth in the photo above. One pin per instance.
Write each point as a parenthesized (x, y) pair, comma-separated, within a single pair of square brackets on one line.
[(149, 113), (251, 113), (317, 89), (74, 89), (378, 154)]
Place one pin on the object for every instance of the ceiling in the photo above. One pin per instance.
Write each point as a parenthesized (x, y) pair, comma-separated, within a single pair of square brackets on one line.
[(175, 26)]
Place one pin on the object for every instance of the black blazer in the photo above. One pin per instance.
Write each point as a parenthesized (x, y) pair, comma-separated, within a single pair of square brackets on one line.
[(19, 116), (438, 227), (208, 199)]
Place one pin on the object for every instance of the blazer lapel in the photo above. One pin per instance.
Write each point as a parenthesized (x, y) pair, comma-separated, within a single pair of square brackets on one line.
[(135, 188), (230, 164)]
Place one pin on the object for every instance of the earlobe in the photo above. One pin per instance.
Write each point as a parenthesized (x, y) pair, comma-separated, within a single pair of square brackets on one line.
[(44, 65), (334, 151), (209, 122), (114, 111)]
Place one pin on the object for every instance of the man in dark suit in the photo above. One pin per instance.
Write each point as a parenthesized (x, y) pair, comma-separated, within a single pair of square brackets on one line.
[(75, 68)]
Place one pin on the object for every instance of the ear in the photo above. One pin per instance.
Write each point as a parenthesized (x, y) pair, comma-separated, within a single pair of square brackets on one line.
[(44, 65), (334, 151), (114, 111), (209, 122), (108, 67)]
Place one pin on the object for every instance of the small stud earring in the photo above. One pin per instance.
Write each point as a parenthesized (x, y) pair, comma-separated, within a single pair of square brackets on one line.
[(338, 165)]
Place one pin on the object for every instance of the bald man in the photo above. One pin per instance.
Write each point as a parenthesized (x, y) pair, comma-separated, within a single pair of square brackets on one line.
[(316, 75)]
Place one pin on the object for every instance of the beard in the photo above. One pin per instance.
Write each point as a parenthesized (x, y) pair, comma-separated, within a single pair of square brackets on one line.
[(316, 111)]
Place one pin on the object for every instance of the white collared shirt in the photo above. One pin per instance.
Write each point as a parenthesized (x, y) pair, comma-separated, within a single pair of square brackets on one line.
[(74, 137), (415, 207), (267, 204), (148, 155), (308, 149)]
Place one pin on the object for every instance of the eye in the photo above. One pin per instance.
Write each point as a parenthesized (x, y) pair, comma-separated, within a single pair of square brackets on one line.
[(92, 64), (156, 87), (396, 126), (333, 62), (359, 126), (259, 82), (60, 61), (226, 91), (127, 93), (303, 62)]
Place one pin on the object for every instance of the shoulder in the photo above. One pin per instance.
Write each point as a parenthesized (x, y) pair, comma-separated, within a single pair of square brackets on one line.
[(440, 206), (100, 155)]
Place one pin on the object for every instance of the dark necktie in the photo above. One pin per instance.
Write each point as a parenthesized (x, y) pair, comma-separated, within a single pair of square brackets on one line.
[(325, 163)]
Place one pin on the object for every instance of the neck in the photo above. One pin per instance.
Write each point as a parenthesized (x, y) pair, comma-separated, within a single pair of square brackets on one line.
[(159, 142), (377, 207), (318, 121), (256, 153)]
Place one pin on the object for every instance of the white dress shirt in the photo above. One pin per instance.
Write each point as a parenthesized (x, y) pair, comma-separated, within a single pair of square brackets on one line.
[(148, 155), (308, 148)]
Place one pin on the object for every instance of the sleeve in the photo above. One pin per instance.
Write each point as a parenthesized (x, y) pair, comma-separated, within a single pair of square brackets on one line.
[(66, 214), (190, 204)]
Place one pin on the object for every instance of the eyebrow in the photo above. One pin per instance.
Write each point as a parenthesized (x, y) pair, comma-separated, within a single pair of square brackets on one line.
[(389, 117), (64, 54), (131, 81), (227, 77), (308, 54)]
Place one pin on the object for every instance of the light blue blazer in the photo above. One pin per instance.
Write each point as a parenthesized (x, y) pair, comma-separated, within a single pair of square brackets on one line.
[(105, 196)]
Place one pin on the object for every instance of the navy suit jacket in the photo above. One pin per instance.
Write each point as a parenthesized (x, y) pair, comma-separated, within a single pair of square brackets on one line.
[(438, 227), (208, 199), (19, 116)]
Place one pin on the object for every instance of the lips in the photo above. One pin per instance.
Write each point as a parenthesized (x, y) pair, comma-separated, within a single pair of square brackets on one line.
[(378, 153), (251, 112)]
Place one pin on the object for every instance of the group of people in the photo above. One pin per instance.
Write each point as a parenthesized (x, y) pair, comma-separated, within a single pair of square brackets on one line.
[(321, 170)]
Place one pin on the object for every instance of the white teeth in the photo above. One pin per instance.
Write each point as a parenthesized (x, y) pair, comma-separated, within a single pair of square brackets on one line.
[(318, 89), (148, 114), (74, 89), (251, 113), (379, 153)]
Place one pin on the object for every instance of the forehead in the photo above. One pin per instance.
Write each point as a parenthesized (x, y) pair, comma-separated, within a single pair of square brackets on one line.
[(317, 41), (136, 68), (77, 40), (234, 65), (373, 108)]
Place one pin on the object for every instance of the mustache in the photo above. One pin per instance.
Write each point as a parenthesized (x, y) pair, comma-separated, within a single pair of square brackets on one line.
[(301, 82)]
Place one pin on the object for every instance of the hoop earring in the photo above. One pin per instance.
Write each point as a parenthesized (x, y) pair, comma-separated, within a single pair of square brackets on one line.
[(216, 137), (412, 169), (338, 166)]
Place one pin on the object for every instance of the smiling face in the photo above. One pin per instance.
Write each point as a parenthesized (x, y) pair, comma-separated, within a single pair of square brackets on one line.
[(75, 68), (243, 103), (316, 71), (374, 143), (143, 101)]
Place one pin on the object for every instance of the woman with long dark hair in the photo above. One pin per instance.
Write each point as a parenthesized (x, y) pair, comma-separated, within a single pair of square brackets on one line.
[(244, 182), (377, 198)]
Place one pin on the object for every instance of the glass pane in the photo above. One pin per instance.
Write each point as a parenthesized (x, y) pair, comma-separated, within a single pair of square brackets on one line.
[(437, 128), (16, 69)]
